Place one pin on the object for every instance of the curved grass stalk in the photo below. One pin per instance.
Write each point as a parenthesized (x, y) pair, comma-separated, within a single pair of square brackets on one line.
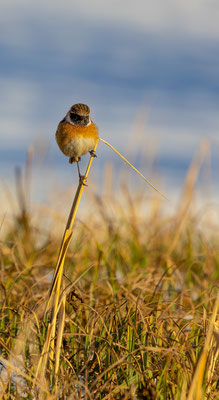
[(55, 303), (132, 166)]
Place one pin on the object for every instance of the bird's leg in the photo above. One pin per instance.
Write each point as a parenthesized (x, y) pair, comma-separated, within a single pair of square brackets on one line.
[(71, 160), (81, 177), (93, 154)]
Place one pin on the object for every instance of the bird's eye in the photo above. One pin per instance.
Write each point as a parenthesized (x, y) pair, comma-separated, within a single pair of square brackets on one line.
[(75, 117)]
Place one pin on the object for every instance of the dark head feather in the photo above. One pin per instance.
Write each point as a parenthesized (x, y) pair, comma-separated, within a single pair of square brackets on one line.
[(80, 109)]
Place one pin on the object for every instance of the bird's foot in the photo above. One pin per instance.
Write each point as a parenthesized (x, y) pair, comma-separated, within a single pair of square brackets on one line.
[(81, 180), (72, 160), (93, 154)]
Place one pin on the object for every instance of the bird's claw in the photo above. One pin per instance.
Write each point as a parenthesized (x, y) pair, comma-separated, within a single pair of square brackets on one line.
[(81, 180), (72, 160), (93, 154)]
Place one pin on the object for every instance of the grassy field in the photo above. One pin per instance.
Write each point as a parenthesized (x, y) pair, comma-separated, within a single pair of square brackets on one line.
[(140, 312)]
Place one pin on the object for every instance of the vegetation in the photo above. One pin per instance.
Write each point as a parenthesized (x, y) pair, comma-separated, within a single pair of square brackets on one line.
[(141, 305)]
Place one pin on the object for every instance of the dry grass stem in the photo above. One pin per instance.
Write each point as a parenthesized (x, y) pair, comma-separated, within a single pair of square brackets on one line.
[(132, 166), (132, 306), (54, 295)]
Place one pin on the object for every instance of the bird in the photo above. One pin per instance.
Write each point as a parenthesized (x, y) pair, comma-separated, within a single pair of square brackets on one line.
[(77, 134)]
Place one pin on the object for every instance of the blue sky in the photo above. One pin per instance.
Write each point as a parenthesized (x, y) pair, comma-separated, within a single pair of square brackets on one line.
[(148, 70)]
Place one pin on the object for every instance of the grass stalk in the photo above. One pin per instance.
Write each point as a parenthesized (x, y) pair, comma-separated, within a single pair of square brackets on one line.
[(196, 389), (132, 166), (54, 294)]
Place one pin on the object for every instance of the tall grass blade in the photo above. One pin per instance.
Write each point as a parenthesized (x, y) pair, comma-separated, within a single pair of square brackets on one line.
[(132, 166)]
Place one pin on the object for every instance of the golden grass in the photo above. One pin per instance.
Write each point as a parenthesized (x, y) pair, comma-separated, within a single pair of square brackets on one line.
[(136, 316), (55, 305)]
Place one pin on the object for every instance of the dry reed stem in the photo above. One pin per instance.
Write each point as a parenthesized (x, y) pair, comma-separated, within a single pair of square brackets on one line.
[(214, 352), (61, 324), (195, 391), (132, 166), (54, 295)]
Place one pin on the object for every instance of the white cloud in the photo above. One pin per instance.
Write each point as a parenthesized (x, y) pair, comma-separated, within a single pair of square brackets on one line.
[(178, 17), (18, 100)]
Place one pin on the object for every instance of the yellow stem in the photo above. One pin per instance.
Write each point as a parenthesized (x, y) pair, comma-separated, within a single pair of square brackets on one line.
[(54, 295), (68, 231), (120, 155)]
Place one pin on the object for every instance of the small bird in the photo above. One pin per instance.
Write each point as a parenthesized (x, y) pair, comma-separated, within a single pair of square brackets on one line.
[(76, 134)]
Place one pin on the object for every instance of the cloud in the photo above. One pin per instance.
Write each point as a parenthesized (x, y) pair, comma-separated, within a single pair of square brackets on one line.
[(194, 18), (190, 17), (18, 101), (119, 57)]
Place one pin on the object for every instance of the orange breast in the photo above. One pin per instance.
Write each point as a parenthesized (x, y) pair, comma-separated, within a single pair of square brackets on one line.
[(67, 133)]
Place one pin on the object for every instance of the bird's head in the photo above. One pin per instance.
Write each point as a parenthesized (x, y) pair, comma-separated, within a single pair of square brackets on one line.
[(79, 115)]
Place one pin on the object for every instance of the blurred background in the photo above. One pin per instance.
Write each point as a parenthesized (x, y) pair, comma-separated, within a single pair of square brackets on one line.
[(148, 70)]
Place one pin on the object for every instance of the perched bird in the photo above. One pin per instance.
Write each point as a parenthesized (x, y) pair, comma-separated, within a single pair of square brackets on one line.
[(76, 134)]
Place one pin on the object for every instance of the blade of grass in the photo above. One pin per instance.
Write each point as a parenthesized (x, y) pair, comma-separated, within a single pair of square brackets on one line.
[(132, 166), (197, 382), (61, 324)]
